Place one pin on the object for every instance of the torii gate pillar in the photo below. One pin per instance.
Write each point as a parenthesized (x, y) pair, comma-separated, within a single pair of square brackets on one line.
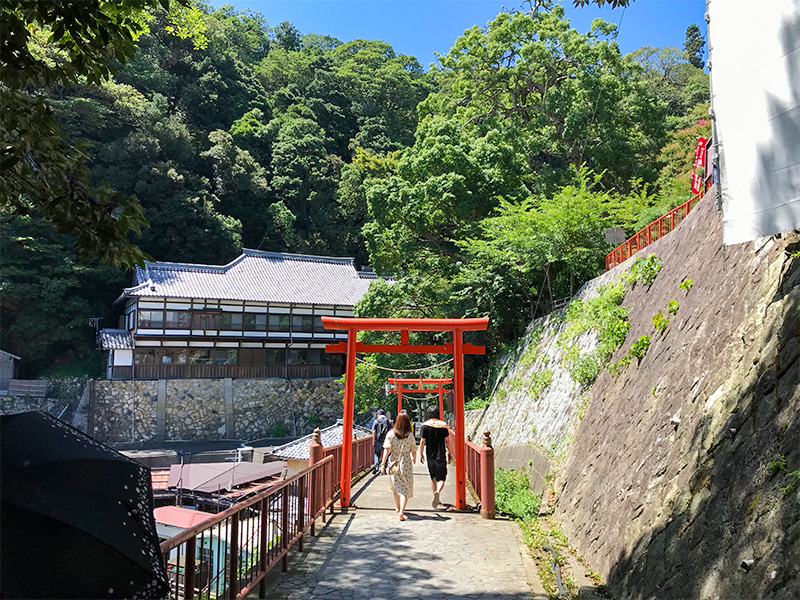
[(458, 409), (457, 348), (347, 418)]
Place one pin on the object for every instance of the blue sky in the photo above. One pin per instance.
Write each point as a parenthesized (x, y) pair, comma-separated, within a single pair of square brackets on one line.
[(422, 27)]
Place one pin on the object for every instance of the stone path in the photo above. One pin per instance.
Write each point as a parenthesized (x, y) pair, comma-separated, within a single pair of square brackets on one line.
[(368, 553)]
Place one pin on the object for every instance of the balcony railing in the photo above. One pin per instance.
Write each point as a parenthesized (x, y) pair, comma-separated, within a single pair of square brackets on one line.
[(204, 371)]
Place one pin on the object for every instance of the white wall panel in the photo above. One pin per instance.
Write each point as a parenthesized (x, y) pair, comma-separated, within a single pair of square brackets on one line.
[(755, 77)]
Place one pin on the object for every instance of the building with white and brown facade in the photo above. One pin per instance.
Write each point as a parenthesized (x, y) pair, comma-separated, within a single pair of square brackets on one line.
[(259, 316)]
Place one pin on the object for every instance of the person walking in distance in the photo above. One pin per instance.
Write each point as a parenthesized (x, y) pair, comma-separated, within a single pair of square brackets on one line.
[(400, 452), (380, 427), (434, 445)]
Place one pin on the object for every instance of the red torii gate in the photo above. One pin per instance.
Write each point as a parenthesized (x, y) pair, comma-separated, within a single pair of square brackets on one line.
[(457, 348), (400, 389)]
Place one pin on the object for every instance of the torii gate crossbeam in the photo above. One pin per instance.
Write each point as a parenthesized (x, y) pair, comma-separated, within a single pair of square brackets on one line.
[(400, 389), (457, 348)]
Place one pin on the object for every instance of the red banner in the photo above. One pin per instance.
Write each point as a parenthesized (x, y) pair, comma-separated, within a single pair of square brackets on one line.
[(699, 166)]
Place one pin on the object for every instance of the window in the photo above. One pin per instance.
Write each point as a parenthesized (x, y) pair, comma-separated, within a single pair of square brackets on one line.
[(173, 356), (298, 357), (255, 322), (318, 327), (200, 356), (315, 356), (230, 321), (151, 319), (252, 357), (302, 323), (146, 357), (178, 319), (205, 320), (279, 322), (276, 357), (225, 356)]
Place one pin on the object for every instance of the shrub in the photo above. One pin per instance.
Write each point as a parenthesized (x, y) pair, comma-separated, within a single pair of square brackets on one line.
[(585, 369), (278, 430), (672, 307), (513, 494), (778, 464), (646, 268), (686, 285), (477, 402), (639, 347), (659, 321), (583, 405)]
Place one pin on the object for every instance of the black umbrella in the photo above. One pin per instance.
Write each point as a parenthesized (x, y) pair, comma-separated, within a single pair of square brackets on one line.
[(76, 517)]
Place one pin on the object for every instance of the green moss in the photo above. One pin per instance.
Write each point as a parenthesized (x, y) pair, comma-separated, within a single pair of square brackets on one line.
[(539, 382), (532, 351), (605, 316)]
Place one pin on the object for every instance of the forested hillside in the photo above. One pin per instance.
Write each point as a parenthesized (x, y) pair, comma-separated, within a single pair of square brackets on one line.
[(483, 185)]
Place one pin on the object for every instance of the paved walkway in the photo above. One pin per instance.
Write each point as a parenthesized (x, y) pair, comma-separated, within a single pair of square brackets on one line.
[(369, 553)]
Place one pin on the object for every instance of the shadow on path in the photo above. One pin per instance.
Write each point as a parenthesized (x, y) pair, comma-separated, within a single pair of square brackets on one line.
[(435, 554)]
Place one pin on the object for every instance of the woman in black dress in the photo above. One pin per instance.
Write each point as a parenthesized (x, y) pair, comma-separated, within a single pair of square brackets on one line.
[(434, 446)]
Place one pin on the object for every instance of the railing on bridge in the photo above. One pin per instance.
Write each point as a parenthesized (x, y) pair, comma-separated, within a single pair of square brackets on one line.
[(480, 473), (656, 230), (229, 555), (363, 449)]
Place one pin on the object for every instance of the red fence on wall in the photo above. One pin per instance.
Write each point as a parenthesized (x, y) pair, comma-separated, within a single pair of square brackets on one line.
[(655, 230)]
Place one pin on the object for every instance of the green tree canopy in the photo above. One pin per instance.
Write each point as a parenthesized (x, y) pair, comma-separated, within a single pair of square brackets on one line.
[(46, 43), (572, 97)]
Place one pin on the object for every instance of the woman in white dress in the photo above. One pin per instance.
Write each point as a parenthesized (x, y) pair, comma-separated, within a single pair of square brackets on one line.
[(400, 449)]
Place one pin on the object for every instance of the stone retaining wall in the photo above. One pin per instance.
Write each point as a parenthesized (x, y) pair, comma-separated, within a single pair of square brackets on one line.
[(61, 394), (211, 409)]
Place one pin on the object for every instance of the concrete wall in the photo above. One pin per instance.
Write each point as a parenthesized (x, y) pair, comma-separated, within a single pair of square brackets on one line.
[(211, 409)]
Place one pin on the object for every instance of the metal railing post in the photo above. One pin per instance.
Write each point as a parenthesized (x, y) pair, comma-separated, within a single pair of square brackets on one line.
[(188, 572), (316, 480), (285, 528), (487, 477), (233, 548), (264, 550), (301, 512)]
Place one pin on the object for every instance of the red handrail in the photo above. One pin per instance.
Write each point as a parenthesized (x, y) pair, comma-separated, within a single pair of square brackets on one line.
[(646, 236), (473, 466), (231, 553), (480, 472)]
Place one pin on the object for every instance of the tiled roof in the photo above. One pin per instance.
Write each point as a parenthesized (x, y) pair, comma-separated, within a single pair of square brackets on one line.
[(115, 339), (257, 276), (214, 477), (331, 436), (159, 478), (178, 516)]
